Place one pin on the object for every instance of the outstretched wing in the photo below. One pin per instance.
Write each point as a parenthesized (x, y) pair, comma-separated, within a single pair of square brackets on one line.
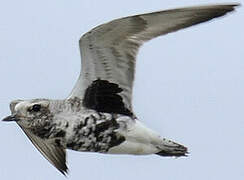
[(108, 53)]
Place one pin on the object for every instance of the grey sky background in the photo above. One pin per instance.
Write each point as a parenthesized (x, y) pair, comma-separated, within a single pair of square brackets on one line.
[(189, 87)]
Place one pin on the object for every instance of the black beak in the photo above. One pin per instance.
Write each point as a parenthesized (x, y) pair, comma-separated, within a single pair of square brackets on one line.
[(10, 118)]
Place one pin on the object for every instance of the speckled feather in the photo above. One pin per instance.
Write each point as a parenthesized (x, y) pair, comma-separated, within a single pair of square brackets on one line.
[(82, 129)]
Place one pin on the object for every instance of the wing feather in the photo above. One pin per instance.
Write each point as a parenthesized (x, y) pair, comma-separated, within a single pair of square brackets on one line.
[(55, 154), (108, 52)]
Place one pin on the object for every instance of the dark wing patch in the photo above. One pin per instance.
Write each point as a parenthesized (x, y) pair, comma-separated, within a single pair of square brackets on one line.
[(103, 96)]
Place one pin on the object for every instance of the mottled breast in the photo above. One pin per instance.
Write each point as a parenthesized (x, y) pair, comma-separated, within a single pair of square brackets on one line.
[(97, 132)]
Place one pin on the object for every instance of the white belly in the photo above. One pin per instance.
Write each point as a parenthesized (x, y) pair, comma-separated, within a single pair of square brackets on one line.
[(139, 140)]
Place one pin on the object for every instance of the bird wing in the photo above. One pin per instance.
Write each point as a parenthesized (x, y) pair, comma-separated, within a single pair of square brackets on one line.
[(108, 53), (55, 154)]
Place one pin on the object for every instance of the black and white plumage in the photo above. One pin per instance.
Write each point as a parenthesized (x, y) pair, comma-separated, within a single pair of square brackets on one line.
[(98, 116)]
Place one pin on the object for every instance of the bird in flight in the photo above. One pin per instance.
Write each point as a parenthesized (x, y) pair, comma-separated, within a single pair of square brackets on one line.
[(98, 116)]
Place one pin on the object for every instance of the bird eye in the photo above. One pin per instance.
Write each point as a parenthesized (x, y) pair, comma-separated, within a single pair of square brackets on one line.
[(36, 107)]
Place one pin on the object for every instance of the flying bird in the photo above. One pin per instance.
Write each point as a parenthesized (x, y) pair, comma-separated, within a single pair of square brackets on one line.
[(98, 116)]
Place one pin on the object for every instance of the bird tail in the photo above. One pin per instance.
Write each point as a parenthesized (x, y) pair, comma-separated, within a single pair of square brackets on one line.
[(170, 148)]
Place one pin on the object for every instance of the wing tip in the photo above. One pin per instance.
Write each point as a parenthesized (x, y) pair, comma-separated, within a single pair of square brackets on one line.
[(230, 7), (227, 7), (64, 170)]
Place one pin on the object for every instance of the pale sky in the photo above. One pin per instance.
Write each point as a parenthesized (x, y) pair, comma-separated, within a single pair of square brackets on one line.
[(189, 88)]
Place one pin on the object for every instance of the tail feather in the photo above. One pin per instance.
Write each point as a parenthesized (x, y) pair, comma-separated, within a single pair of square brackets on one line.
[(171, 148), (172, 153)]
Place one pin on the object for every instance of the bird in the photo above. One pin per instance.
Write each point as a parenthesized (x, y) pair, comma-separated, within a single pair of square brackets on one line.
[(97, 116)]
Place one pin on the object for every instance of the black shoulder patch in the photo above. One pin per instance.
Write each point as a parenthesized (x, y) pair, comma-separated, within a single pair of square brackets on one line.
[(103, 96)]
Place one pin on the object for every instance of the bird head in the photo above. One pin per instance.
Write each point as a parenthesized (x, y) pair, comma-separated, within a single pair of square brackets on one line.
[(29, 113)]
